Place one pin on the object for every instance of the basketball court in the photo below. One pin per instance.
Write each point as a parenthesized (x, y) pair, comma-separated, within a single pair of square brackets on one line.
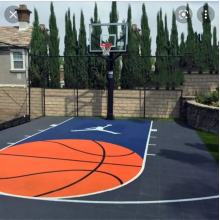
[(92, 168)]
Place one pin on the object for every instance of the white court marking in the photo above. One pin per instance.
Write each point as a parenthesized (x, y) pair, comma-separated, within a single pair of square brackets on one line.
[(155, 130), (152, 144), (131, 180), (10, 143), (151, 154), (153, 137), (60, 199), (99, 128), (33, 135), (54, 125)]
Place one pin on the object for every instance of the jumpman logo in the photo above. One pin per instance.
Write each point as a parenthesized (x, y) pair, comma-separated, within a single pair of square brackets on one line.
[(99, 128)]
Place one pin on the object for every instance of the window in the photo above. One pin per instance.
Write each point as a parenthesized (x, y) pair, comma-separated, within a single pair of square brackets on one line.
[(17, 60)]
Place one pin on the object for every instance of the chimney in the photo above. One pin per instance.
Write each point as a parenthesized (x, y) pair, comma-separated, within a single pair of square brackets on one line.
[(23, 17)]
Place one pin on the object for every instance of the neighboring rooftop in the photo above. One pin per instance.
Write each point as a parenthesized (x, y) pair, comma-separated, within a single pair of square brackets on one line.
[(12, 35), (19, 35)]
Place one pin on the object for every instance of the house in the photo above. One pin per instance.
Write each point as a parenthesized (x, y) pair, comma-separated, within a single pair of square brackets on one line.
[(14, 48), (137, 33)]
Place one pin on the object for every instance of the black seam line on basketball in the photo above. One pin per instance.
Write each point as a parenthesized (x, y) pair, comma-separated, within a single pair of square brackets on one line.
[(54, 158), (57, 171), (87, 152), (100, 163)]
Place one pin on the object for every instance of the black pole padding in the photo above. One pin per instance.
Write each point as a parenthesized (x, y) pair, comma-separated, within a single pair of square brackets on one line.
[(110, 115)]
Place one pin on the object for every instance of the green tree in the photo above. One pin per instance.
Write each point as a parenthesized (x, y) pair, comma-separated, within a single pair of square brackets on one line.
[(167, 42), (130, 69), (145, 39), (82, 62), (97, 68), (113, 17), (176, 75), (54, 50), (190, 33), (174, 44), (215, 51), (69, 67), (38, 47), (75, 35), (160, 75), (206, 39)]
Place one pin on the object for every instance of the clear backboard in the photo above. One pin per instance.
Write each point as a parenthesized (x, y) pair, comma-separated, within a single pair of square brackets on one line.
[(114, 33)]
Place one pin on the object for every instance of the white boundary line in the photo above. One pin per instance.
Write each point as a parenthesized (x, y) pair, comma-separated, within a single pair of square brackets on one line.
[(154, 130), (34, 134), (59, 199)]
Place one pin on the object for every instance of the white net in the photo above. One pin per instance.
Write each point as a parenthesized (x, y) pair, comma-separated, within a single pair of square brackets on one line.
[(106, 49)]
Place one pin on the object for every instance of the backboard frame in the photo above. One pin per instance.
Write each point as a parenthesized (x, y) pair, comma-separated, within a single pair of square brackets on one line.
[(125, 50)]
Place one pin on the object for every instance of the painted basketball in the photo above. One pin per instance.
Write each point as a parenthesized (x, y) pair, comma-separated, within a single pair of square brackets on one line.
[(66, 168)]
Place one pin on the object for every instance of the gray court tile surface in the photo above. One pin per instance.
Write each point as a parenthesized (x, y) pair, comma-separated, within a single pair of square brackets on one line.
[(182, 168)]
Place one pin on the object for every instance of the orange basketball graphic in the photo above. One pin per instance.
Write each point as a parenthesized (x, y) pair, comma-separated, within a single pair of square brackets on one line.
[(66, 168)]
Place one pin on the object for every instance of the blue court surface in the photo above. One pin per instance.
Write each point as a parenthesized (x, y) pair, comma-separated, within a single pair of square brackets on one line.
[(91, 168)]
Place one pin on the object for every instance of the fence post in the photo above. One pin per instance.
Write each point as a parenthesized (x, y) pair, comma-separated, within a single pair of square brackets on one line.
[(44, 85), (29, 86), (77, 95), (145, 92)]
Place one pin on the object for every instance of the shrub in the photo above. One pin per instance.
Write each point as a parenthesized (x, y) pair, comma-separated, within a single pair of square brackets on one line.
[(211, 98)]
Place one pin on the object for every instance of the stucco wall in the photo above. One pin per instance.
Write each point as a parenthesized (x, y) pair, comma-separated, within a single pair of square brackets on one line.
[(203, 117), (6, 76)]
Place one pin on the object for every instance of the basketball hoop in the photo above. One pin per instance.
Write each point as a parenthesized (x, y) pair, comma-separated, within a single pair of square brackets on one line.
[(106, 47)]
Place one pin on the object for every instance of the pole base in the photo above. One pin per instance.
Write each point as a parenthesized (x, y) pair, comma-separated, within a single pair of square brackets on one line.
[(110, 117)]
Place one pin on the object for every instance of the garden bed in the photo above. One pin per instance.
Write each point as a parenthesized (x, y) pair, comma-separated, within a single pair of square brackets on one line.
[(203, 117)]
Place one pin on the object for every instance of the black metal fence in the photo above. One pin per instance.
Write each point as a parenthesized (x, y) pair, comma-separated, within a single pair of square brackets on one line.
[(130, 71)]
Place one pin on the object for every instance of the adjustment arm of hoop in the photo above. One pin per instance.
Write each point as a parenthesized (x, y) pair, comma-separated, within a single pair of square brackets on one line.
[(121, 38)]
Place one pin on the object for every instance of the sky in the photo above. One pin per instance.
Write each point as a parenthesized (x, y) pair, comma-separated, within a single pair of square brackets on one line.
[(104, 8)]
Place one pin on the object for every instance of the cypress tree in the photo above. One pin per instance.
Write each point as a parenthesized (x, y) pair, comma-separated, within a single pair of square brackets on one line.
[(38, 47), (130, 71), (160, 75), (97, 68), (54, 50), (182, 50), (167, 47), (215, 53), (69, 70), (145, 39), (75, 35), (174, 50), (190, 33), (206, 39), (176, 73), (113, 17), (166, 36), (83, 61)]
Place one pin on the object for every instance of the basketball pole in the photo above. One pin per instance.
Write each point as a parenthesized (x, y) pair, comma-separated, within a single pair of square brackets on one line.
[(110, 115)]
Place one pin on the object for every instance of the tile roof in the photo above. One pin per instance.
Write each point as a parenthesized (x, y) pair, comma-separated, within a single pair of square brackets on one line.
[(12, 35)]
